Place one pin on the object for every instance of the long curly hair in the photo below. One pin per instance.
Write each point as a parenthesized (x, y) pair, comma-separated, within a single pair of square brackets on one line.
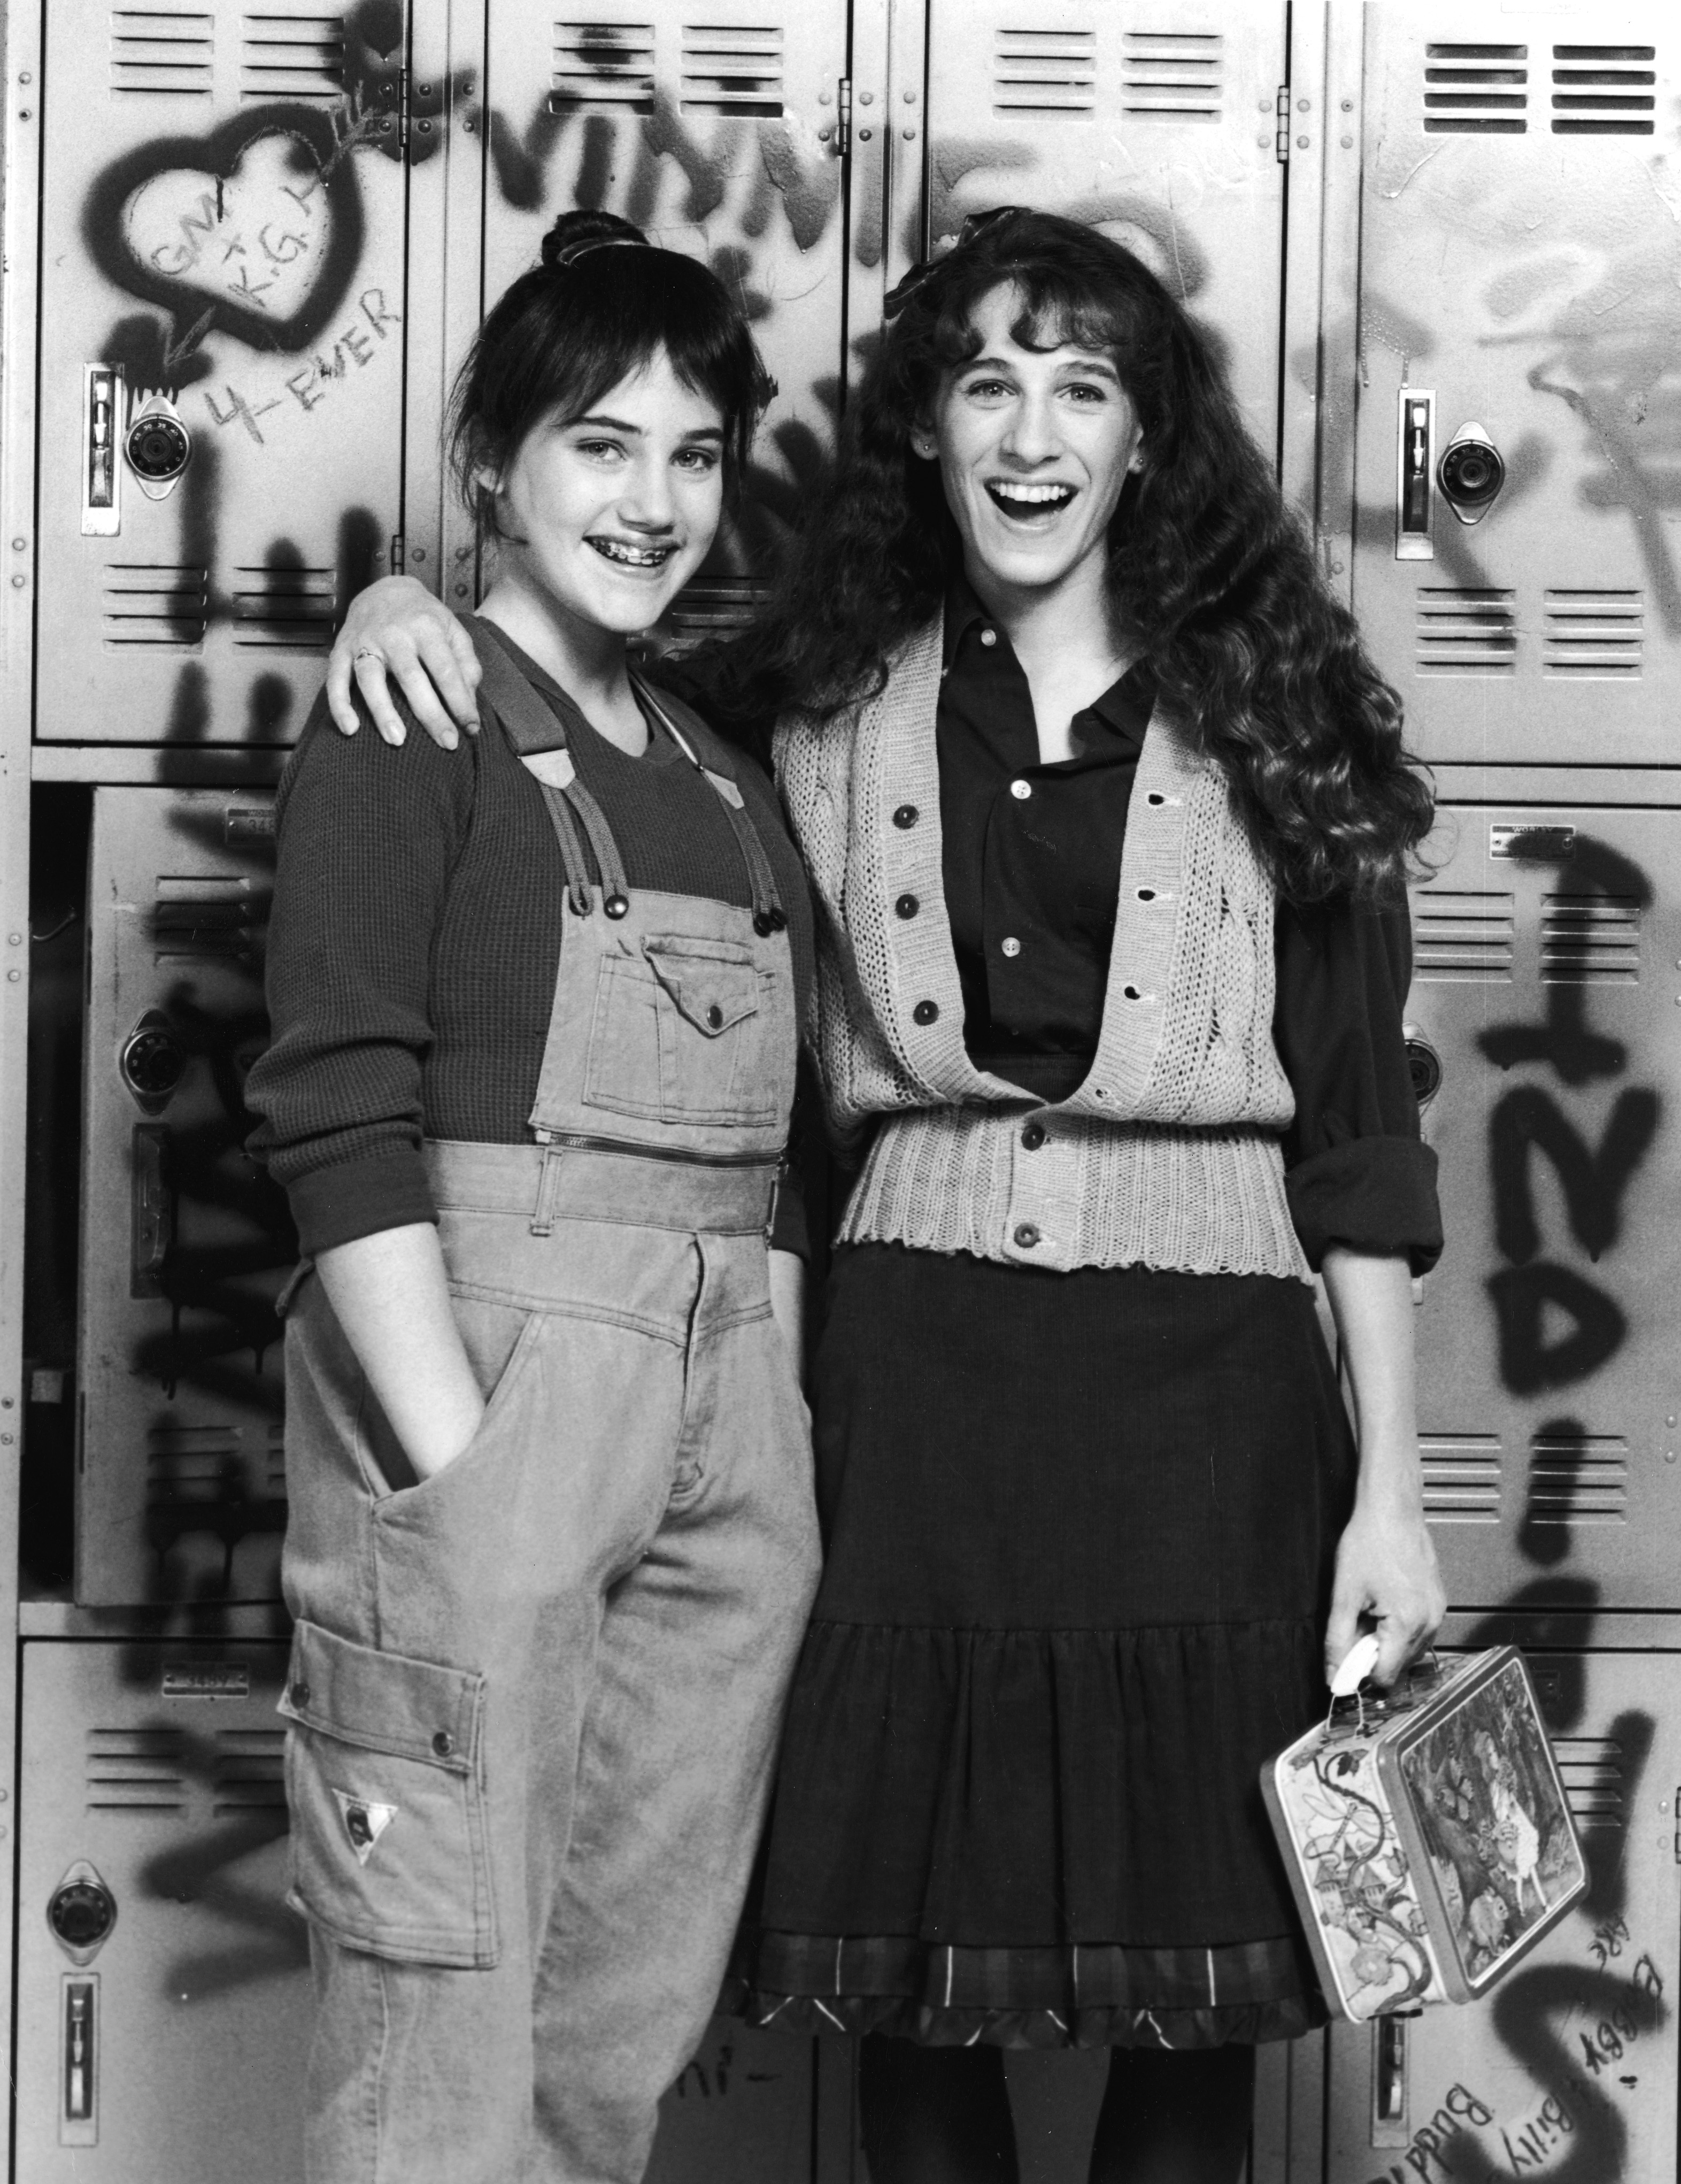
[(1209, 575)]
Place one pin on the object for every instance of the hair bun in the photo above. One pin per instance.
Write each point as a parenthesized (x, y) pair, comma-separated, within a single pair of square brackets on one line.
[(574, 230)]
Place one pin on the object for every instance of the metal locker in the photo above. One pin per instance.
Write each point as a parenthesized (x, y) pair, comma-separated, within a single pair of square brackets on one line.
[(162, 1992), (185, 1242), (164, 1996), (1569, 2067), (1515, 564), (222, 364), (1160, 126), (721, 137), (1545, 1039)]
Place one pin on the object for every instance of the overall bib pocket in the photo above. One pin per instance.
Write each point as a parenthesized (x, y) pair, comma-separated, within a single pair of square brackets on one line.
[(678, 1036), (384, 1764)]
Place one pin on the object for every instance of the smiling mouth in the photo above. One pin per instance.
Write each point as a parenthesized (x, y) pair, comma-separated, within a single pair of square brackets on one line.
[(625, 556), (1027, 504)]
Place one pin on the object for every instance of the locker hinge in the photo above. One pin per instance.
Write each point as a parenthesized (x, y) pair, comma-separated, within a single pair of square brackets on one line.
[(399, 552), (403, 108), (843, 119), (1677, 1810), (1281, 142)]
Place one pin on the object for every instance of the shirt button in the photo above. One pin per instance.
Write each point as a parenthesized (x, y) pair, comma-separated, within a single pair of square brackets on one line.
[(1011, 947), (300, 1695), (907, 906), (990, 636), (443, 1743), (1021, 789), (926, 1012), (1027, 1236), (906, 816), (1033, 1136)]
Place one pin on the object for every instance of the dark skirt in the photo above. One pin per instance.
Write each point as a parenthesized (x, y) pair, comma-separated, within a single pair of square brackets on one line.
[(1079, 1531)]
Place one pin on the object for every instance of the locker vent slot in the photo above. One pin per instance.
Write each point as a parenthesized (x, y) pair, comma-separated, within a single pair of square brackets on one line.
[(161, 602), (292, 57), (162, 50), (248, 1776), (1592, 1771), (733, 68), (1461, 933), (1478, 91), (1464, 629), (199, 919), (1590, 940), (1044, 71), (1594, 633), (601, 64), (1461, 1478), (1582, 1480), (1603, 91), (285, 610), (133, 1770), (714, 609), (193, 1463), (1170, 77)]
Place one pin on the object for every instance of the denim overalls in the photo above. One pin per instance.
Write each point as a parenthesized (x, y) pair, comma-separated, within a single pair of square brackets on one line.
[(535, 1697)]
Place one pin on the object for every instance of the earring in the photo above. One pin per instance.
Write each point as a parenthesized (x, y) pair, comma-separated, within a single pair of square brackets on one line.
[(925, 448)]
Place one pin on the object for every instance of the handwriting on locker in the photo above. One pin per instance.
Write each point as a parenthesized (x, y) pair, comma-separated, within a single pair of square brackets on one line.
[(352, 345), (1533, 1294)]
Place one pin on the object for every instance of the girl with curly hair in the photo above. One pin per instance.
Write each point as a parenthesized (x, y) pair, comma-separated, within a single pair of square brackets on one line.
[(1108, 818)]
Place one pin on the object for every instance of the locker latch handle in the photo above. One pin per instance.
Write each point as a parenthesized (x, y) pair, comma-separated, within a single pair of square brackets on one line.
[(153, 1214), (1414, 482), (79, 2062)]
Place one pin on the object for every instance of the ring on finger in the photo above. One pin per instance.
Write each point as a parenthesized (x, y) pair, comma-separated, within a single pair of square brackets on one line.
[(366, 652)]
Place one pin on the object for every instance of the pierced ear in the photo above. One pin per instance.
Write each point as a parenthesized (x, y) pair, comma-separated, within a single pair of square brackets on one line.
[(1138, 461), (924, 445)]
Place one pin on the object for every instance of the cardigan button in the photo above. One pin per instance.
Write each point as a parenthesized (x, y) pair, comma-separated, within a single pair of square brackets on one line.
[(906, 816), (925, 1013), (1033, 1136), (1027, 1236), (907, 906)]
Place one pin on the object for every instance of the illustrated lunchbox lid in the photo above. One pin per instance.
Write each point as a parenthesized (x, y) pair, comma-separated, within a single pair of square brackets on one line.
[(1485, 1818), (1427, 1836)]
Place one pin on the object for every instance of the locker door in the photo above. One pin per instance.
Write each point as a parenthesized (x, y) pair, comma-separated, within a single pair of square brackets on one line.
[(1521, 275), (720, 137), (1544, 1009), (185, 1241), (154, 1777), (1568, 2067), (223, 206), (1157, 126)]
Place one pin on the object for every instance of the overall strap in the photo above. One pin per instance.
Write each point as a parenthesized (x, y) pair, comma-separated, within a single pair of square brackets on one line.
[(768, 914), (568, 802)]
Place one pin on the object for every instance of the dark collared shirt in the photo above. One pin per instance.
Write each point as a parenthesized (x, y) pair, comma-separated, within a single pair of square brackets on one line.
[(1033, 876)]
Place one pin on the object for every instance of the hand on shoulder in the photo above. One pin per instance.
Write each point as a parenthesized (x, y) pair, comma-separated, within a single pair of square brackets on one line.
[(396, 627)]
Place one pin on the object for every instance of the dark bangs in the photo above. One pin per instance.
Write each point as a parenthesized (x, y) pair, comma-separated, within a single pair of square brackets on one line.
[(563, 336)]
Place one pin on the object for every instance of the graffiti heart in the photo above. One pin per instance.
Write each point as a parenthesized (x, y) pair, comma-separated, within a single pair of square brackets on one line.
[(254, 229), (256, 240)]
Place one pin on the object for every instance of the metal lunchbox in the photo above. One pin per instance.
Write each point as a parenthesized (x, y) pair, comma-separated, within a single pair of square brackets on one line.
[(1426, 1834)]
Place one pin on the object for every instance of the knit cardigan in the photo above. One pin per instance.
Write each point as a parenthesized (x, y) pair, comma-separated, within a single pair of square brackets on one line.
[(1168, 1155)]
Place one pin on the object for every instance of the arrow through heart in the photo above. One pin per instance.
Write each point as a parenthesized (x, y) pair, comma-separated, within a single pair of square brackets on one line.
[(255, 228)]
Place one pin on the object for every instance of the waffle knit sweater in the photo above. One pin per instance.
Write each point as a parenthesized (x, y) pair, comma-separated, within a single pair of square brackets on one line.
[(1167, 1155)]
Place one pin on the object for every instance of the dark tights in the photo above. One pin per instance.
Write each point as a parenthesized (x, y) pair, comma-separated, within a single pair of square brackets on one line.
[(941, 2115)]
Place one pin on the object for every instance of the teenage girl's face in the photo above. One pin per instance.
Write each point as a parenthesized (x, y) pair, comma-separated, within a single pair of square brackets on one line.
[(607, 516), (1034, 446)]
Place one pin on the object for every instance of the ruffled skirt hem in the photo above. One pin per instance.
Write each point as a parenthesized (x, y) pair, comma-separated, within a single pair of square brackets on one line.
[(1113, 1996)]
